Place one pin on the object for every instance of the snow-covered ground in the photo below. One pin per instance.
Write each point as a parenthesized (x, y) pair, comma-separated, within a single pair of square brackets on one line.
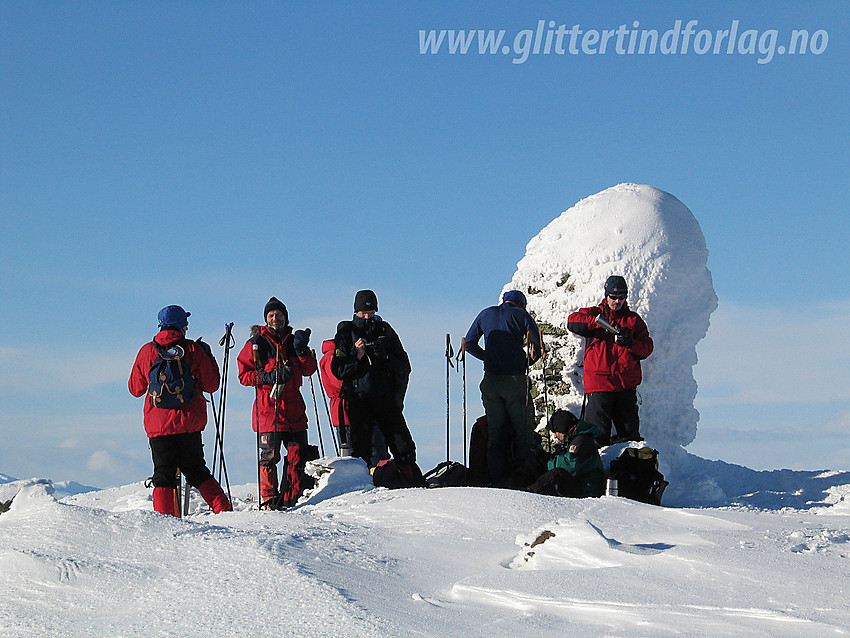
[(360, 561)]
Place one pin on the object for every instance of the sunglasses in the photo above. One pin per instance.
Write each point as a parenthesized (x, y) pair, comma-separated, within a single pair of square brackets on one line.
[(617, 297)]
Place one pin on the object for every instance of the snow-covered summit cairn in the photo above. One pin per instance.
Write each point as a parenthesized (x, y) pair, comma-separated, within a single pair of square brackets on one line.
[(654, 241)]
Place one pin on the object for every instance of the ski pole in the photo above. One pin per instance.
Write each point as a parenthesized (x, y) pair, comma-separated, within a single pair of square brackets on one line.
[(327, 408), (316, 408), (228, 343), (449, 355), (461, 358), (178, 501), (256, 352), (530, 348)]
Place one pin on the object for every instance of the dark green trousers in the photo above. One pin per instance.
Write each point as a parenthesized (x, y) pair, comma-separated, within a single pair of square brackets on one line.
[(510, 423)]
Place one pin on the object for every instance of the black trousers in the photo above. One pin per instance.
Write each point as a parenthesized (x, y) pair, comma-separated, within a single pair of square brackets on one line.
[(183, 451), (618, 408), (364, 413)]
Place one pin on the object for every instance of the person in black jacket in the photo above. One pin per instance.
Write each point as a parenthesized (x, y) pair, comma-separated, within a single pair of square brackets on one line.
[(374, 369)]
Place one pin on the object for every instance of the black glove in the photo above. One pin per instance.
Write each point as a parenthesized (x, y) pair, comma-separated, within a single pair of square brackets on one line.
[(624, 339), (271, 377), (204, 346), (300, 341)]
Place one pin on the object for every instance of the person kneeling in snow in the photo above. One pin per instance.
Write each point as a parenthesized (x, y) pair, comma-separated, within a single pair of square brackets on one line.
[(575, 467), (176, 411)]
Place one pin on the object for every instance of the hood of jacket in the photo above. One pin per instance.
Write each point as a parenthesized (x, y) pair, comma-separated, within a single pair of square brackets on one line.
[(167, 337)]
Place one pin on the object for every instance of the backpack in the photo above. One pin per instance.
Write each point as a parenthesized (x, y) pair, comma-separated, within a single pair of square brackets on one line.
[(447, 474), (388, 474), (170, 382), (479, 474), (637, 475)]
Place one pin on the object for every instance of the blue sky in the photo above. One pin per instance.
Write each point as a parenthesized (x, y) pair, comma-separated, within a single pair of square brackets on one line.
[(215, 154)]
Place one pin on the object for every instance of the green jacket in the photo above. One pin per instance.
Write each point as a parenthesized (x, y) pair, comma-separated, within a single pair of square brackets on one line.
[(584, 463)]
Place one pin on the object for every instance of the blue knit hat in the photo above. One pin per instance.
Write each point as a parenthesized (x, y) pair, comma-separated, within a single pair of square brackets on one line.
[(173, 317), (515, 297)]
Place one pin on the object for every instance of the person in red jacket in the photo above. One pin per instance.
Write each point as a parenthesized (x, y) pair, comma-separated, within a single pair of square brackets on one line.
[(273, 361), (612, 361), (175, 432)]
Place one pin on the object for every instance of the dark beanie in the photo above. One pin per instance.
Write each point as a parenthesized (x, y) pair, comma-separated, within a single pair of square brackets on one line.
[(275, 304), (562, 421), (616, 285), (365, 300)]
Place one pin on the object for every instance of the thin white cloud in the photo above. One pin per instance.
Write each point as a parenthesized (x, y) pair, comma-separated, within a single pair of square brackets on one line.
[(102, 461)]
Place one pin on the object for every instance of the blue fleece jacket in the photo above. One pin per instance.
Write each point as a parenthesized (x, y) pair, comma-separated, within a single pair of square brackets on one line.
[(504, 328)]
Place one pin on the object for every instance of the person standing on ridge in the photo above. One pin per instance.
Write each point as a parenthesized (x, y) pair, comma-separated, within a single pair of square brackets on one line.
[(504, 388), (273, 361), (339, 418), (616, 341), (374, 369), (174, 372)]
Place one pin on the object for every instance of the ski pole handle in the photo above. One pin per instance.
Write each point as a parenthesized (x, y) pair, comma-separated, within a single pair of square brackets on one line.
[(228, 337), (256, 349)]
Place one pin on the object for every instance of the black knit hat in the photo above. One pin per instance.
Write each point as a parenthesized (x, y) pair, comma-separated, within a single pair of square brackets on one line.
[(616, 285), (562, 421), (365, 301), (275, 304)]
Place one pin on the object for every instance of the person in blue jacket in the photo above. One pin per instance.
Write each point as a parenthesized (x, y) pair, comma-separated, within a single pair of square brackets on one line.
[(506, 328)]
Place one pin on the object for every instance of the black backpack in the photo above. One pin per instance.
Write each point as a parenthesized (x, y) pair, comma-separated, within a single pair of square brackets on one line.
[(170, 382), (447, 474), (637, 475)]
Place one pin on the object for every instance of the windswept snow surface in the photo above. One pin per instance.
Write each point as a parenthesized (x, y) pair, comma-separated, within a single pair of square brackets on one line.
[(360, 561)]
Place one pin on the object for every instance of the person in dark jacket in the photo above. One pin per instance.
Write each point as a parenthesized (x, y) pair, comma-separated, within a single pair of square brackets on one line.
[(273, 361), (339, 417), (374, 369), (175, 433), (504, 388), (612, 369)]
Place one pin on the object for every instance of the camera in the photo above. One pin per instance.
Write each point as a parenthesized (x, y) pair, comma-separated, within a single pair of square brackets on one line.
[(376, 349)]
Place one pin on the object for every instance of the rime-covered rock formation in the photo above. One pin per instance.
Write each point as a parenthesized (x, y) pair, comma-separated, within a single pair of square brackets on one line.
[(654, 241)]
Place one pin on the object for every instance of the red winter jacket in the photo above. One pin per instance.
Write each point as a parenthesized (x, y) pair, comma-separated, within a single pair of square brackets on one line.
[(288, 413), (163, 421), (607, 366), (332, 385)]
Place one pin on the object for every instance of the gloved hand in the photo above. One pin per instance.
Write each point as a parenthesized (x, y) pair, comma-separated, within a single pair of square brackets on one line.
[(204, 346), (624, 339), (300, 341), (270, 377)]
